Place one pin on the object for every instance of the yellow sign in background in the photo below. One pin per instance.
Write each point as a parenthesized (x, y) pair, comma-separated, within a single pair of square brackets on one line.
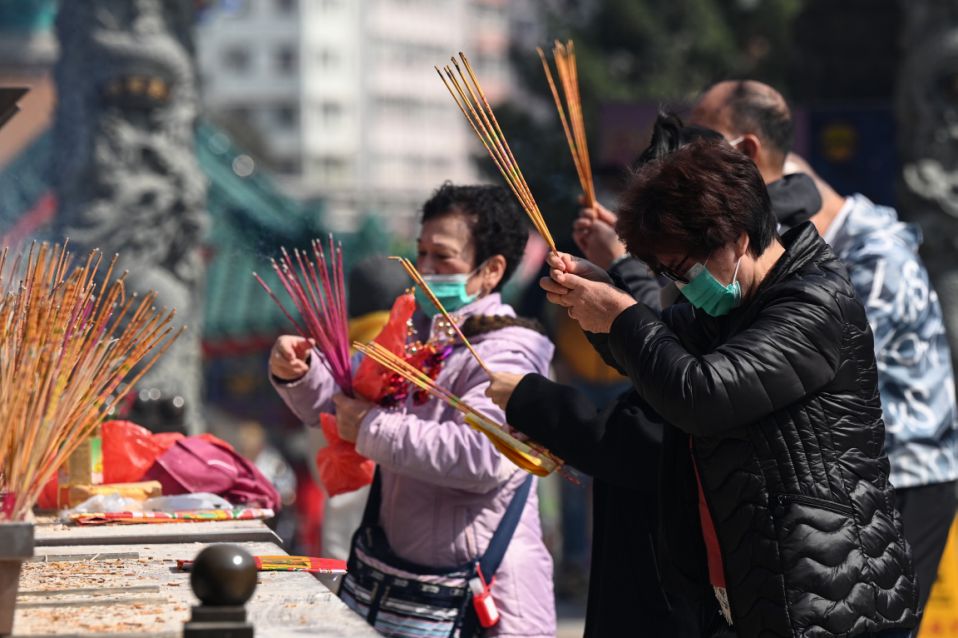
[(941, 612)]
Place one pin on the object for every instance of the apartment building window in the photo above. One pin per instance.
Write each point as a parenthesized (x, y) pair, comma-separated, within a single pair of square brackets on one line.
[(330, 167), (285, 59), (409, 54), (329, 112), (328, 58), (396, 106), (286, 115), (237, 59), (235, 8), (490, 11)]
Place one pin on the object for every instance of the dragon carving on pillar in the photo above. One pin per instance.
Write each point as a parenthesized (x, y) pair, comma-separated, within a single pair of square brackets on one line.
[(126, 174), (927, 113)]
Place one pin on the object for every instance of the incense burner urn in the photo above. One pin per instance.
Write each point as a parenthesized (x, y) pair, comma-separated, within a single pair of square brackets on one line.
[(16, 546)]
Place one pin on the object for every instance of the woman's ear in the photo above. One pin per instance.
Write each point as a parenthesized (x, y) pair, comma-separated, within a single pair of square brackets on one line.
[(491, 273), (741, 245)]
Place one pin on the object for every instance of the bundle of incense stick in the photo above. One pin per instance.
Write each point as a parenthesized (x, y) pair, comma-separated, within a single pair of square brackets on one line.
[(471, 100), (318, 293), (416, 277), (573, 124), (68, 348), (526, 455)]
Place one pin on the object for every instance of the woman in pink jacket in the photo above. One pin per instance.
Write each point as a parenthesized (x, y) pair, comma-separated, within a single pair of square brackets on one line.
[(444, 486)]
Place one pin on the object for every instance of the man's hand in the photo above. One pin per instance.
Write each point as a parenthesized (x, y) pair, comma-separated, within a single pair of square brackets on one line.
[(594, 234), (349, 415), (598, 241), (600, 213), (289, 357)]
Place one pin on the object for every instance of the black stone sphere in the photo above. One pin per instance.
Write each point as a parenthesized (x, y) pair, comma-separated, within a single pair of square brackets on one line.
[(223, 576)]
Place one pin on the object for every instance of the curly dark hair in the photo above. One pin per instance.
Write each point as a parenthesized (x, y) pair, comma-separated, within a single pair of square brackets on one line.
[(497, 225), (695, 199)]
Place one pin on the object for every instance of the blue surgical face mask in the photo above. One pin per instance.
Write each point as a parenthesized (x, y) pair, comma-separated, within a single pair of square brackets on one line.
[(449, 289), (706, 293)]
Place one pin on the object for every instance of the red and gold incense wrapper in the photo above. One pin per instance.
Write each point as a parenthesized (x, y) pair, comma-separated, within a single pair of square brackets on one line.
[(526, 455), (310, 564)]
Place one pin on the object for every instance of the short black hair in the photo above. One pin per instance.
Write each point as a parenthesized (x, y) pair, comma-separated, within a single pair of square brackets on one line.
[(758, 109), (670, 134), (699, 197), (497, 225)]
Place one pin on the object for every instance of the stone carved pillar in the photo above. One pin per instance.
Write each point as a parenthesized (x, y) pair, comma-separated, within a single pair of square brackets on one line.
[(126, 174)]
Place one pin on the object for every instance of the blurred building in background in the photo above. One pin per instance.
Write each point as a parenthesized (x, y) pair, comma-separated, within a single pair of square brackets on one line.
[(28, 45), (340, 97)]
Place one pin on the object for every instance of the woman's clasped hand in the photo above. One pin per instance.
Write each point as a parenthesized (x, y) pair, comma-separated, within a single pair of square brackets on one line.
[(585, 290)]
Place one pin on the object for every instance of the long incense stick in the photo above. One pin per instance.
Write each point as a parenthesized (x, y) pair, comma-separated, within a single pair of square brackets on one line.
[(471, 100), (317, 290), (396, 364), (416, 277), (573, 125), (68, 349)]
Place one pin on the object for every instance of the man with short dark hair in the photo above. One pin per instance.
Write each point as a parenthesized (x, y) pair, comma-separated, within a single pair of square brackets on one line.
[(756, 120), (916, 381)]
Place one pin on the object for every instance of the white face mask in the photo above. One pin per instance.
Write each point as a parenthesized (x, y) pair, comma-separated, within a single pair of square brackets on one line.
[(734, 143)]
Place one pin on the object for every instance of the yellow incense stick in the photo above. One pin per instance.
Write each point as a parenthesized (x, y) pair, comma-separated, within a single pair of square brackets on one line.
[(527, 456), (467, 93), (573, 125)]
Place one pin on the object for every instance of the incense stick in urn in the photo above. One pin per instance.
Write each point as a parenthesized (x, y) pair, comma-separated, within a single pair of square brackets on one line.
[(69, 342)]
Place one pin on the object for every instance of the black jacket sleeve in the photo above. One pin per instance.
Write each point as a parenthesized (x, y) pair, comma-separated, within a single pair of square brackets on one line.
[(791, 349), (635, 278), (619, 445)]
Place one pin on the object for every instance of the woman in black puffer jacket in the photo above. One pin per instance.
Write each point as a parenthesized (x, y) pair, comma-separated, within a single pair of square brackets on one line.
[(775, 482)]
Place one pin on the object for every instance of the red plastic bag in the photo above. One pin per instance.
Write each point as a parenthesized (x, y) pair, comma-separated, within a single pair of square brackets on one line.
[(129, 450), (370, 378), (341, 468)]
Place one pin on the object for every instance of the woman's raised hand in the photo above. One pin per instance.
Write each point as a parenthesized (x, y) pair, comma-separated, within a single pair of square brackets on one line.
[(350, 413), (502, 386), (289, 358), (566, 263), (594, 304), (562, 264)]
